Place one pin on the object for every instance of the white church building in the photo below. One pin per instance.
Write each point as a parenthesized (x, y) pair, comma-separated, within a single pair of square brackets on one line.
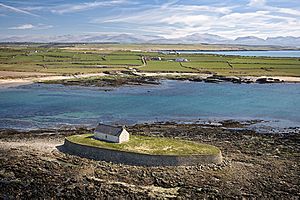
[(109, 133)]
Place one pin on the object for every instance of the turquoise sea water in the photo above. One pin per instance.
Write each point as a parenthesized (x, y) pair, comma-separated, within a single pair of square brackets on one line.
[(248, 53), (37, 106)]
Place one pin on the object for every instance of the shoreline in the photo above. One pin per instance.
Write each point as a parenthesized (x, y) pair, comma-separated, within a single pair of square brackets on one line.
[(263, 126), (19, 81), (13, 82)]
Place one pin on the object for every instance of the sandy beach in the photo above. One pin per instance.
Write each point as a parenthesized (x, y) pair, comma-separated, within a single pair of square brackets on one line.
[(13, 79)]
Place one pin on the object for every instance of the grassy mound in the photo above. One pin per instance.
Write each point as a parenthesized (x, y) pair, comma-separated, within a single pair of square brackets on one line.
[(150, 145)]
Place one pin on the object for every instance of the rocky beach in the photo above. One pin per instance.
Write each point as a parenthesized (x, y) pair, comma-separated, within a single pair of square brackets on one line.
[(131, 78), (33, 165)]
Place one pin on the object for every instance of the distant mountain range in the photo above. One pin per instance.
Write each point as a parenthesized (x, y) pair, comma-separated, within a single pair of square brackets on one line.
[(131, 38)]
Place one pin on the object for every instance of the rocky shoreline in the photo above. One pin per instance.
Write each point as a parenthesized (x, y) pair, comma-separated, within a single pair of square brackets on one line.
[(134, 80), (107, 81), (256, 165), (131, 78)]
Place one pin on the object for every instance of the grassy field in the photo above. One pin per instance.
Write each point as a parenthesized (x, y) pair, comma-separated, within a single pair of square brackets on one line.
[(77, 61), (150, 145)]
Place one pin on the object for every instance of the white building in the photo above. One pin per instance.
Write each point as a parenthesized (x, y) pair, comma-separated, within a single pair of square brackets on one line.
[(181, 60), (116, 134)]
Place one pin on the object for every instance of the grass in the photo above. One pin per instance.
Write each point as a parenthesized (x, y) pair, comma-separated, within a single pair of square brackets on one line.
[(207, 65), (150, 145), (70, 61), (166, 66)]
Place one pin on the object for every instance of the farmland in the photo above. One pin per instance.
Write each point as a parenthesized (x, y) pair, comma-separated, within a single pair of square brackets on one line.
[(66, 61)]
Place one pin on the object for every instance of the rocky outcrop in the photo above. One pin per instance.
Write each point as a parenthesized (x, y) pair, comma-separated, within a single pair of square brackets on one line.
[(268, 80)]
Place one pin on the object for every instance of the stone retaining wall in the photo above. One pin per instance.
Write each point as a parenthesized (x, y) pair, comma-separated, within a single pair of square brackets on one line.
[(131, 158)]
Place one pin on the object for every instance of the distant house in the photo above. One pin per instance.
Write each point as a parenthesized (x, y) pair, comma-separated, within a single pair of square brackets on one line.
[(181, 60), (116, 134)]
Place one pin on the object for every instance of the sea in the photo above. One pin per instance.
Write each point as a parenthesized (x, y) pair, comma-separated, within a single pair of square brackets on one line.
[(287, 53), (50, 106)]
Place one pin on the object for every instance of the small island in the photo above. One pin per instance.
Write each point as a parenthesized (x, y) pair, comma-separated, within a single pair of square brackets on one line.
[(141, 150)]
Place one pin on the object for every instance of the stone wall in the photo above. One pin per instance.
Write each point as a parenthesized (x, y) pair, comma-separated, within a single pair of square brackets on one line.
[(131, 158)]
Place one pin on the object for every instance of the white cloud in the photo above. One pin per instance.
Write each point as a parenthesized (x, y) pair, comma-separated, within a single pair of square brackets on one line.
[(192, 20), (22, 27), (260, 23), (257, 3), (30, 26), (17, 10), (261, 5), (180, 20), (71, 8), (35, 8), (287, 11), (170, 20), (175, 18), (184, 15)]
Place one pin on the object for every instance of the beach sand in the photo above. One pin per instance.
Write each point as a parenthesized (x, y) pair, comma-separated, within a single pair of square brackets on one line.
[(13, 79)]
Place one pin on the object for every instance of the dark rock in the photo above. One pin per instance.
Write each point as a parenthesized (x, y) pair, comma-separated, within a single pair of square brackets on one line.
[(267, 80)]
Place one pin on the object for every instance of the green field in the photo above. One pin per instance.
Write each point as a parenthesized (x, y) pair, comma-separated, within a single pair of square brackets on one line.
[(150, 145), (34, 58)]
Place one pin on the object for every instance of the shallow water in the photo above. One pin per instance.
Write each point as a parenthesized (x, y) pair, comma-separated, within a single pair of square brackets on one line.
[(248, 53), (41, 106)]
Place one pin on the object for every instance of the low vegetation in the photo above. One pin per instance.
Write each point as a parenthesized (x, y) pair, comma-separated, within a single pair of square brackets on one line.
[(106, 81), (150, 145)]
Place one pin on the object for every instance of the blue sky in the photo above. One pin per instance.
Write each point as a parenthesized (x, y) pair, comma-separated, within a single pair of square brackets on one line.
[(171, 19)]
